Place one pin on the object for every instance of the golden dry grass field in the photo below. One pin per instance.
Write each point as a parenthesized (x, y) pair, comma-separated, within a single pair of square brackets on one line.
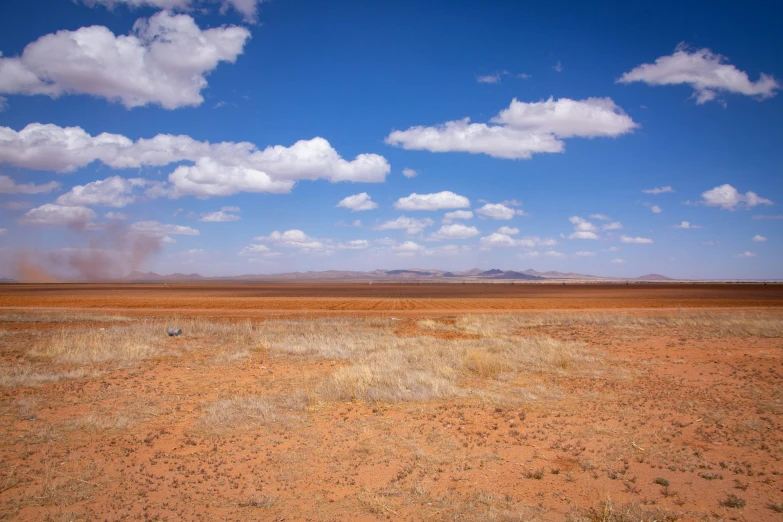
[(648, 403)]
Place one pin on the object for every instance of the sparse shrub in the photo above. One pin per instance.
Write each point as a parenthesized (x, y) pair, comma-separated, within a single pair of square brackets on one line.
[(661, 481), (733, 501)]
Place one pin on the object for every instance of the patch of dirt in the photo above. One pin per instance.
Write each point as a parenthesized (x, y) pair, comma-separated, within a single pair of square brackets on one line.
[(672, 421)]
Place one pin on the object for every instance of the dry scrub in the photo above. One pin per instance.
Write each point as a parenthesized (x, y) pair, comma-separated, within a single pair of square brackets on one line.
[(737, 324)]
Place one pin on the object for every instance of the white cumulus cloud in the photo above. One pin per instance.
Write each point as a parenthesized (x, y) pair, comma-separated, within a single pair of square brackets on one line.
[(658, 190), (746, 254), (117, 216), (436, 201), (687, 225), (358, 202), (355, 244), (706, 72), (583, 229), (617, 261), (600, 217), (449, 217), (218, 217), (254, 250), (51, 215), (216, 169), (499, 211), (638, 240), (110, 192), (455, 231), (729, 198), (292, 239), (9, 186), (584, 253), (759, 238), (408, 248), (410, 225), (163, 61), (508, 231), (496, 239), (522, 129), (566, 118), (162, 230), (247, 8), (614, 225), (409, 173)]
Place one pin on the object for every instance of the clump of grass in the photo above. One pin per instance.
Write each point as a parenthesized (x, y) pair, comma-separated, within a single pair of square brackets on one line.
[(62, 318), (255, 410), (484, 364), (733, 501), (419, 368), (662, 481), (393, 376), (777, 507), (258, 500), (115, 343), (607, 511), (246, 410), (26, 408), (747, 324), (147, 339), (327, 338), (21, 377)]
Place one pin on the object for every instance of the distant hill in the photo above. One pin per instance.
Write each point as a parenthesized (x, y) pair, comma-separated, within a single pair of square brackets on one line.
[(152, 276), (654, 277), (518, 275), (493, 272), (413, 274)]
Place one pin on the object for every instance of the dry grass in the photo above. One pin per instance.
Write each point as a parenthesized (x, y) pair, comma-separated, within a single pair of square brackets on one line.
[(735, 324), (134, 342), (607, 511), (146, 339), (389, 368), (254, 411), (28, 377), (62, 318)]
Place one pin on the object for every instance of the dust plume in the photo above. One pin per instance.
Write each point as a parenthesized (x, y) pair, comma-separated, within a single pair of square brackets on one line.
[(109, 253)]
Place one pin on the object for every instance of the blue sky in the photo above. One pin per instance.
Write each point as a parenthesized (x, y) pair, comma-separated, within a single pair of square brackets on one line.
[(236, 136)]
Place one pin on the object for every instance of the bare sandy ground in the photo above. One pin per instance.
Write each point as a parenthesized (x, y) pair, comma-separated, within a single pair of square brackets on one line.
[(647, 412)]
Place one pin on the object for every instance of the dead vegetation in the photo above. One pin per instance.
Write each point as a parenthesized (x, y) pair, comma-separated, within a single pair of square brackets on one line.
[(734, 324), (436, 419)]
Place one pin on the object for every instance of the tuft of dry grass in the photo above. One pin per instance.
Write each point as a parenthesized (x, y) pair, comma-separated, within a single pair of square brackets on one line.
[(607, 511), (422, 368), (62, 318), (735, 324), (245, 410), (255, 410), (26, 376), (135, 342)]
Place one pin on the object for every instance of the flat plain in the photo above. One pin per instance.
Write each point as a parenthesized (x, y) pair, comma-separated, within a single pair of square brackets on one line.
[(392, 401)]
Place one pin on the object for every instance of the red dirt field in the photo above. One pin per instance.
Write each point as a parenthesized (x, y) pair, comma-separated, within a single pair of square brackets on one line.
[(656, 402), (219, 299)]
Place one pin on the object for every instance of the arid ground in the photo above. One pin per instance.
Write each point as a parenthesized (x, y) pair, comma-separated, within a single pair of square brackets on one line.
[(492, 402)]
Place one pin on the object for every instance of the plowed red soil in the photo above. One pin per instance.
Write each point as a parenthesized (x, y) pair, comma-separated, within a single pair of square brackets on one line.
[(328, 298), (679, 421)]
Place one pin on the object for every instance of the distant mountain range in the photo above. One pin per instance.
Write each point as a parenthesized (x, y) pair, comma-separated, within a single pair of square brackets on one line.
[(416, 274)]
